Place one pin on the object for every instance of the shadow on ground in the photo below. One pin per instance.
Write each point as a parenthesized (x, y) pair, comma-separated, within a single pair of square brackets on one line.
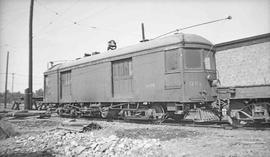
[(31, 154), (161, 134)]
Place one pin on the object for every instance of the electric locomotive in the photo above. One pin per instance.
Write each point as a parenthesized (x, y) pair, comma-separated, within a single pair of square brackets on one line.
[(172, 76)]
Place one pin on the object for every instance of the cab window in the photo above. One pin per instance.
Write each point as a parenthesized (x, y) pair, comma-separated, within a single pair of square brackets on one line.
[(209, 62), (172, 60), (193, 59)]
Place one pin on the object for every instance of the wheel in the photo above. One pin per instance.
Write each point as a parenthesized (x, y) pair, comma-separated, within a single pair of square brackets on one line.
[(158, 113), (60, 111), (104, 112), (239, 113), (74, 113), (178, 117)]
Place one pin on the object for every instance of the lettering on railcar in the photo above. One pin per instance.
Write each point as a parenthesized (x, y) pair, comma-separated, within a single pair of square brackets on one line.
[(195, 83)]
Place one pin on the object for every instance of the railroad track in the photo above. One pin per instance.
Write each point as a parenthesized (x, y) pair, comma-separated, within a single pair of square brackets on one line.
[(218, 125), (188, 123)]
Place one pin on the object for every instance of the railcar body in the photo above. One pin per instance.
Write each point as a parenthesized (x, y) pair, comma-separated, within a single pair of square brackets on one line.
[(167, 75)]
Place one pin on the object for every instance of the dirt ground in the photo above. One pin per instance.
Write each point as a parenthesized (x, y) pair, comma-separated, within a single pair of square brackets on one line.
[(52, 137)]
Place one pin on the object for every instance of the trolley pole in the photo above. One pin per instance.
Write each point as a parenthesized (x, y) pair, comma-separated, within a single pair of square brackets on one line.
[(143, 34), (5, 104), (180, 29), (30, 81)]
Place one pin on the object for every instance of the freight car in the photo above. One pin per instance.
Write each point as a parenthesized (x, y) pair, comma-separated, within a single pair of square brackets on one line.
[(244, 73), (245, 104), (172, 76)]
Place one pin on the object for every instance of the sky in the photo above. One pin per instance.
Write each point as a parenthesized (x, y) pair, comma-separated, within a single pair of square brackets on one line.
[(66, 29)]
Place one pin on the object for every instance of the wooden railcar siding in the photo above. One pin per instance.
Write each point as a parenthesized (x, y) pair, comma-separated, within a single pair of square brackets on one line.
[(122, 78), (51, 88), (65, 85), (244, 66), (92, 83)]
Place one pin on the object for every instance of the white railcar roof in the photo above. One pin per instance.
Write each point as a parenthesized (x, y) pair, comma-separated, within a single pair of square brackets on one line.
[(169, 40)]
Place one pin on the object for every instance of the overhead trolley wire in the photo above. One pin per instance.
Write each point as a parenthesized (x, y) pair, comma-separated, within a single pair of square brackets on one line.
[(71, 6), (23, 75), (77, 22), (95, 13), (57, 14)]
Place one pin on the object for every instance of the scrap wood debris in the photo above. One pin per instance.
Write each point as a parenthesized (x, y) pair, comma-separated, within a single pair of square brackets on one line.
[(25, 113), (91, 126)]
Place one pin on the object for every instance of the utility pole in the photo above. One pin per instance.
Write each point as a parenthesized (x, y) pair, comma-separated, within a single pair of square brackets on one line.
[(5, 105), (12, 82), (30, 81)]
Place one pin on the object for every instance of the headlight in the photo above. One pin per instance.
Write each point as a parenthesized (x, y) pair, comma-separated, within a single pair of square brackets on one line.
[(215, 83), (209, 77)]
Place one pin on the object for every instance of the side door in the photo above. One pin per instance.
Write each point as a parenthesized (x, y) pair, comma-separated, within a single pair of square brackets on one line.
[(65, 86), (122, 80), (173, 74), (194, 75)]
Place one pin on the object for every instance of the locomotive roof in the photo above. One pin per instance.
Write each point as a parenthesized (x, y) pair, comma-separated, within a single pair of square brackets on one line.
[(169, 40)]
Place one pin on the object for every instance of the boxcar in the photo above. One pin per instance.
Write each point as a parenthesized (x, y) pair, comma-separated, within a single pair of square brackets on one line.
[(168, 75), (244, 73)]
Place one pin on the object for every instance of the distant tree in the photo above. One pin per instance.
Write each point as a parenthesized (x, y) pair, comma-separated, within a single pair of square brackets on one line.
[(10, 96), (15, 96), (39, 92), (2, 97)]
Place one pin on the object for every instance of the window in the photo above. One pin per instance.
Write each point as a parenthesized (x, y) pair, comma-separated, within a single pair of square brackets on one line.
[(172, 60), (209, 62), (193, 58)]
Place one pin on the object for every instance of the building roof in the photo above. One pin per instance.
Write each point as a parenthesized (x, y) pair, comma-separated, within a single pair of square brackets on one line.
[(243, 42), (169, 40)]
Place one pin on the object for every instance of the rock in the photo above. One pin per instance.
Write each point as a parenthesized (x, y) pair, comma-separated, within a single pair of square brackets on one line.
[(73, 123), (59, 143), (73, 143), (112, 138), (85, 154), (147, 145), (78, 150), (106, 146), (18, 141), (121, 145), (16, 149), (66, 151), (31, 138), (94, 145), (60, 133), (43, 146)]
